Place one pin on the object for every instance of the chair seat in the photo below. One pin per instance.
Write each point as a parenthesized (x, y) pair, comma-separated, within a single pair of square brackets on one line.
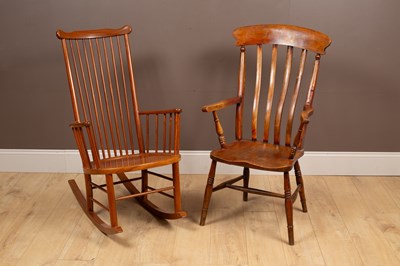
[(257, 155), (133, 162)]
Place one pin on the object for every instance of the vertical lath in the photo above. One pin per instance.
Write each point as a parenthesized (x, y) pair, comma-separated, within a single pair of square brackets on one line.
[(294, 98), (311, 90), (241, 86), (256, 94), (281, 103), (271, 89)]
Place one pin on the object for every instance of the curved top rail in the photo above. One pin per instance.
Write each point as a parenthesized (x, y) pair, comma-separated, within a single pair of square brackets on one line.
[(284, 35), (91, 34)]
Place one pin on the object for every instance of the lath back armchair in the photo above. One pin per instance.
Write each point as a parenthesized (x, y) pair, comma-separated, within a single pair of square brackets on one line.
[(277, 124)]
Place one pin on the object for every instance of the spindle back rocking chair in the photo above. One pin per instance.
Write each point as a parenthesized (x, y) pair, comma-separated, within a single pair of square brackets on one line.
[(108, 127), (271, 144)]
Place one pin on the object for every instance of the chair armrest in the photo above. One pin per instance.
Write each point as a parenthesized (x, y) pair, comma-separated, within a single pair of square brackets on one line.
[(218, 106), (221, 104), (159, 112), (165, 127), (80, 124)]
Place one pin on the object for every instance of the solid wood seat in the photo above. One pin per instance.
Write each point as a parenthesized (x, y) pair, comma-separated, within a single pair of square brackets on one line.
[(108, 128), (257, 155), (133, 162), (272, 143)]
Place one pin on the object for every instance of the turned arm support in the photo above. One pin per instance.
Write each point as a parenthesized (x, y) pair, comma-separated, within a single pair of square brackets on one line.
[(304, 120), (221, 104), (214, 108), (80, 139)]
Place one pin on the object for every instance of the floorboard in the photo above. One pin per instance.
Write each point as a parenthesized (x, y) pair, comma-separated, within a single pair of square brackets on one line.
[(351, 220)]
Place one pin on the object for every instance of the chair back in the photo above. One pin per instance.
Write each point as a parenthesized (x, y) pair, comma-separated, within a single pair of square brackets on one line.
[(287, 85), (103, 95)]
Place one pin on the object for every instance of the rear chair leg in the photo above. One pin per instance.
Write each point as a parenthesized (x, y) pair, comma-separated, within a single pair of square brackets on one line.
[(208, 192), (289, 207), (299, 181), (246, 175)]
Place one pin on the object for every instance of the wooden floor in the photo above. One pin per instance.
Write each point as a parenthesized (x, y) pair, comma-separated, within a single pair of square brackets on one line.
[(351, 221)]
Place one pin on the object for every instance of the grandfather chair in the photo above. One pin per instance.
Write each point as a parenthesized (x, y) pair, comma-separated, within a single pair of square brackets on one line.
[(287, 102), (108, 128)]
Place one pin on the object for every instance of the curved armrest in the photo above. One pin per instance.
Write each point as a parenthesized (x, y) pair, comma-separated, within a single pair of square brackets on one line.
[(221, 104)]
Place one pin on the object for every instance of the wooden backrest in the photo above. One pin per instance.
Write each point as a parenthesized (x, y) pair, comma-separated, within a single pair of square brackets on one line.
[(280, 102), (102, 89)]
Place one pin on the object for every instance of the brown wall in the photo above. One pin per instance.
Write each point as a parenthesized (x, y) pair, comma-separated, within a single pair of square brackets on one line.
[(184, 54)]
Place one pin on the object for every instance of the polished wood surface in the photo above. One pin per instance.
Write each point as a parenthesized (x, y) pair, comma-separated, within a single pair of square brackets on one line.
[(41, 224), (112, 134), (289, 35), (280, 107)]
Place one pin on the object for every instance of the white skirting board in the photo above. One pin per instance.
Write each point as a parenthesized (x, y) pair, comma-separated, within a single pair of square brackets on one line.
[(198, 162)]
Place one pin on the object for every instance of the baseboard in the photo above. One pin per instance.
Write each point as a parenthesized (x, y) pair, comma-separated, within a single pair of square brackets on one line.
[(198, 162)]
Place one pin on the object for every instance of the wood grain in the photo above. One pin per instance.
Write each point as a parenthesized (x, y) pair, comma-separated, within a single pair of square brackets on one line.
[(342, 226)]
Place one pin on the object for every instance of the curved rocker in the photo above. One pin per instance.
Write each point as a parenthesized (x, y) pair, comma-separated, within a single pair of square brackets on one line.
[(96, 220)]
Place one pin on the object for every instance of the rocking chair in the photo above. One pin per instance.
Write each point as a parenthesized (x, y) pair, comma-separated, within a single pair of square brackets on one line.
[(274, 147), (108, 127)]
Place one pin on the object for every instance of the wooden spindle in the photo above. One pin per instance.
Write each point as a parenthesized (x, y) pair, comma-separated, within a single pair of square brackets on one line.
[(115, 96), (156, 130), (96, 92), (165, 133), (125, 91), (123, 141), (107, 100), (170, 133), (220, 131), (147, 137), (78, 83)]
